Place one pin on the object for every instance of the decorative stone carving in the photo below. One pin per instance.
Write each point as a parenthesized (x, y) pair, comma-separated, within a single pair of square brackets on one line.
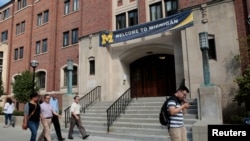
[(204, 13)]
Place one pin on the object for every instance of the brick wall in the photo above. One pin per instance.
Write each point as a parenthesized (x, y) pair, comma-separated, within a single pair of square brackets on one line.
[(243, 29)]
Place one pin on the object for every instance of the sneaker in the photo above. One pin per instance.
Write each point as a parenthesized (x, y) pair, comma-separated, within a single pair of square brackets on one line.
[(5, 126), (71, 138)]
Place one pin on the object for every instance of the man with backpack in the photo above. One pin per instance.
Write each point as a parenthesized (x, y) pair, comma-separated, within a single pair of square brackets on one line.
[(177, 105)]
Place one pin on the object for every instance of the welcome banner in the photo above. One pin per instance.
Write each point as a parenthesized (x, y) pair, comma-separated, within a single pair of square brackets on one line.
[(178, 21)]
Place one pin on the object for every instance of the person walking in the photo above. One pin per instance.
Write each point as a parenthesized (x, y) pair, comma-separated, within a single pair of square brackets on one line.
[(47, 112), (177, 105), (76, 119), (55, 119), (9, 108), (32, 113)]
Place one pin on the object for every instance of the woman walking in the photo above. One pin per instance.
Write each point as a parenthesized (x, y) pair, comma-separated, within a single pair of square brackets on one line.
[(32, 115), (9, 108)]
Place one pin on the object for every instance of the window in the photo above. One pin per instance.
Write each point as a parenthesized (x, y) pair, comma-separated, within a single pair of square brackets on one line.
[(155, 11), (45, 45), (21, 4), (38, 47), (41, 48), (43, 18), (6, 13), (21, 53), (132, 17), (39, 19), (66, 7), (92, 66), (18, 53), (1, 59), (41, 79), (66, 38), (46, 16), (120, 21), (4, 36), (74, 76), (74, 36), (75, 5), (20, 27), (212, 48), (171, 7)]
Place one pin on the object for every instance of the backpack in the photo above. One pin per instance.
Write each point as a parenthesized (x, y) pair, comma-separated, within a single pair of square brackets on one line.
[(164, 114)]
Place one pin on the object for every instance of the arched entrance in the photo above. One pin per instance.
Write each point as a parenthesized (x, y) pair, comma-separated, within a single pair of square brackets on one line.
[(153, 76)]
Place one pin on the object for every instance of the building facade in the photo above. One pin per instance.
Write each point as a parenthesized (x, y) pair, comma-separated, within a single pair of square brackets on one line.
[(155, 64), (52, 32)]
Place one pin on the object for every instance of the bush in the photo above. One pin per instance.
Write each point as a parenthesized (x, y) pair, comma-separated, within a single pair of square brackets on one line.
[(238, 119), (243, 95)]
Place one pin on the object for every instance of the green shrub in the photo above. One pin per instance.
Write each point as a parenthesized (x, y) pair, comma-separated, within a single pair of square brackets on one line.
[(16, 113)]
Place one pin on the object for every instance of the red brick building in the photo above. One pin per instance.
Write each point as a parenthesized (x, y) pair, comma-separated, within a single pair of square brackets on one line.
[(47, 31)]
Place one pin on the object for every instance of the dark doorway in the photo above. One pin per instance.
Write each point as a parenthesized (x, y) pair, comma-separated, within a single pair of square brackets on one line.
[(153, 76)]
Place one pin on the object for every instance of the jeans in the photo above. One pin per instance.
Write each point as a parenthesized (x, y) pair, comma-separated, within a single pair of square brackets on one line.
[(8, 118), (33, 126)]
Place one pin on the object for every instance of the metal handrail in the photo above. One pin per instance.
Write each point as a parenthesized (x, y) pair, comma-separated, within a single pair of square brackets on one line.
[(85, 102), (118, 107)]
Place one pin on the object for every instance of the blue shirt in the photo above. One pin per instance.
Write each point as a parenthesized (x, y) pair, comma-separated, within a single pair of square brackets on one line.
[(54, 103)]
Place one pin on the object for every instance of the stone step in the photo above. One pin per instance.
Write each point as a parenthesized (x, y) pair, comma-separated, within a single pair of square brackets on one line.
[(139, 122)]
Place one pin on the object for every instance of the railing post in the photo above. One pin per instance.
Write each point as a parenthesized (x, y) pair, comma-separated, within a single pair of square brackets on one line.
[(85, 101)]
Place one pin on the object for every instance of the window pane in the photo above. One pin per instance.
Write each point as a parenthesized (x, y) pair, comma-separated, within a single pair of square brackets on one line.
[(66, 38), (39, 19), (75, 5), (1, 54), (4, 36), (133, 17), (16, 54), (74, 76), (22, 26), (24, 3), (120, 21), (156, 11), (17, 28), (46, 16), (212, 47), (38, 47), (66, 7), (19, 5), (171, 7), (41, 79), (6, 13), (44, 48), (74, 36), (21, 53), (92, 67)]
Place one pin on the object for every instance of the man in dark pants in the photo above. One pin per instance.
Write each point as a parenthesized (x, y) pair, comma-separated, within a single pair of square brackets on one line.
[(55, 118), (76, 119)]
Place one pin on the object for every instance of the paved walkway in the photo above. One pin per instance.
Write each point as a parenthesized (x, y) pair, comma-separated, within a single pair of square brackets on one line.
[(17, 134)]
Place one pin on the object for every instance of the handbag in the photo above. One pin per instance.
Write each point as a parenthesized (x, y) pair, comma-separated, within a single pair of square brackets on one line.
[(25, 126)]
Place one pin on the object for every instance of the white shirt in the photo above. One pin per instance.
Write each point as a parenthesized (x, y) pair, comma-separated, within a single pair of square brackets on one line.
[(9, 108), (75, 108)]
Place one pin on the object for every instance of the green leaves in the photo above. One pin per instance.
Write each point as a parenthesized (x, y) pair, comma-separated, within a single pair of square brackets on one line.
[(243, 92), (23, 86)]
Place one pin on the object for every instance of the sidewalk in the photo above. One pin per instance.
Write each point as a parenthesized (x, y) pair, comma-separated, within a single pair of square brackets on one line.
[(17, 134)]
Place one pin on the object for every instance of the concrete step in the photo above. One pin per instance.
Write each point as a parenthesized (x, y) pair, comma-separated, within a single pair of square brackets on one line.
[(139, 122)]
